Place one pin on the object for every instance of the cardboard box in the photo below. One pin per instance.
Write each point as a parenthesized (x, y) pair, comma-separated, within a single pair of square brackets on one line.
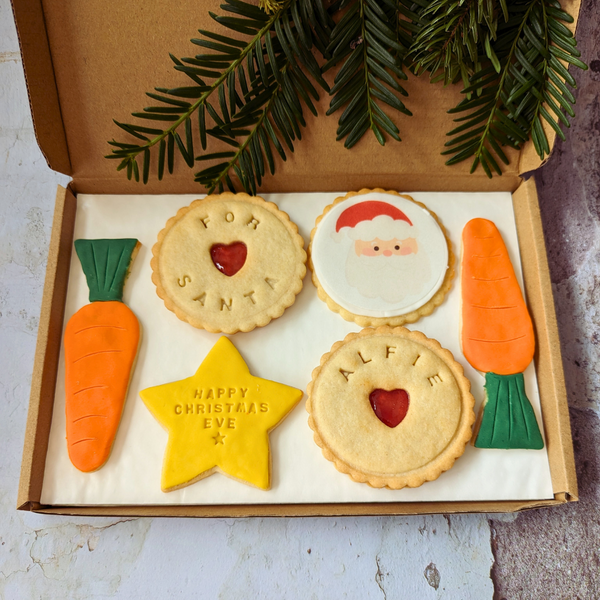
[(87, 63)]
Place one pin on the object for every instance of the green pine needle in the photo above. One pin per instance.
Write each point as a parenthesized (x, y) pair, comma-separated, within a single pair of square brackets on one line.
[(453, 35)]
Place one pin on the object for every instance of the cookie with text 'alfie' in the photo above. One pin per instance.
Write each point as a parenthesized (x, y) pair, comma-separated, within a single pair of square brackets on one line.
[(390, 407)]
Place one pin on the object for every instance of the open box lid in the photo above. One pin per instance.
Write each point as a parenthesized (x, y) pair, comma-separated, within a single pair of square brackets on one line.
[(87, 63)]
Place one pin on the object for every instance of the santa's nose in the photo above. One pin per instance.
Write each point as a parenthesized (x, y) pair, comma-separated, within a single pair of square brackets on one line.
[(387, 252)]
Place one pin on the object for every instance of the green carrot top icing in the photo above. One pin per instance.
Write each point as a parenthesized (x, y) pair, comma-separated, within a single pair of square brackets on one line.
[(508, 420), (105, 264)]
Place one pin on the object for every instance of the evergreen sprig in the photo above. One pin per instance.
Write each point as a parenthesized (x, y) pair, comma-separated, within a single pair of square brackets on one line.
[(254, 101), (504, 107), (451, 36), (250, 86), (262, 126), (368, 37)]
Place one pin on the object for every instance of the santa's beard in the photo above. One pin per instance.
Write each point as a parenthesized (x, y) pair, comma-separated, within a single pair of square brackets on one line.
[(391, 278)]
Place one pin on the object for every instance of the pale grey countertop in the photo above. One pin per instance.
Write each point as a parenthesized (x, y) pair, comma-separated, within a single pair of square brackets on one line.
[(551, 553)]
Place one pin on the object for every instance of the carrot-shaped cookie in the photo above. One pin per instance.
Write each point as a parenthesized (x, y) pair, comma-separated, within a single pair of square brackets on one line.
[(101, 342), (497, 338)]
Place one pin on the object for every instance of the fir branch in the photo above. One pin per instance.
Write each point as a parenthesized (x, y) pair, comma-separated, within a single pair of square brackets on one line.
[(249, 94), (411, 21), (269, 6), (279, 119), (504, 108), (368, 35), (451, 36), (246, 76)]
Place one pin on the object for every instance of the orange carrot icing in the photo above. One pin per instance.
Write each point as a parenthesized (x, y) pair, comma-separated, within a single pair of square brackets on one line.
[(101, 342), (497, 332)]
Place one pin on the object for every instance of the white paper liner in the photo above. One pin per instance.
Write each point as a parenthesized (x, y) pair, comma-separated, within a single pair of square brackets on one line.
[(286, 350)]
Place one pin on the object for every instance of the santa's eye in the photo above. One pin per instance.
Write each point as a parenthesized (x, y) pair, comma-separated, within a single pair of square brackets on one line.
[(396, 247), (376, 248)]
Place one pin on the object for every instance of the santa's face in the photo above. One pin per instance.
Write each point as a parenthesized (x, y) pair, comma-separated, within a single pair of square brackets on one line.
[(388, 269), (378, 247), (379, 255)]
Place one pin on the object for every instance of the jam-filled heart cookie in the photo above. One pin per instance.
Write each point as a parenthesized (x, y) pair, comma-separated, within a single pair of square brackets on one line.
[(228, 263), (380, 258), (390, 407)]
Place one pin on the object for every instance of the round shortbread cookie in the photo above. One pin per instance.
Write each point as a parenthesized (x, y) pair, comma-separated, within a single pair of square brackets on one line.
[(390, 407), (228, 263), (380, 258)]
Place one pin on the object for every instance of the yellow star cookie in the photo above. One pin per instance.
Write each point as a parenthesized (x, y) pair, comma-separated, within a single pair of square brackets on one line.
[(219, 420)]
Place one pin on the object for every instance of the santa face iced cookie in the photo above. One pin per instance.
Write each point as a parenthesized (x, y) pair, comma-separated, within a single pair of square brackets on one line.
[(380, 258), (229, 263), (390, 407)]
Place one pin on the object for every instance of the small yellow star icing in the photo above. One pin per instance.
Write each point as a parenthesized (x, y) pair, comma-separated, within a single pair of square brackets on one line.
[(219, 420), (219, 438)]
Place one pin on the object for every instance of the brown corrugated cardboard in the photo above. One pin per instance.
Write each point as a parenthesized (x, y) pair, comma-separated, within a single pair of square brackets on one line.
[(548, 358), (41, 84), (301, 510), (47, 350), (87, 63)]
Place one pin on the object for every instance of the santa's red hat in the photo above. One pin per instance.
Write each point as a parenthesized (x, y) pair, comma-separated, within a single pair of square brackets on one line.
[(374, 219), (367, 211)]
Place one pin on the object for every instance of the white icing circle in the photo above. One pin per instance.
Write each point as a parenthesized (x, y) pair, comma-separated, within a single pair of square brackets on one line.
[(378, 285)]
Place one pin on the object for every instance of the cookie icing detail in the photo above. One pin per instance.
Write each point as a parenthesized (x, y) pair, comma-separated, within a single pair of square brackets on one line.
[(508, 420), (497, 338), (101, 342), (497, 332), (219, 420), (379, 255)]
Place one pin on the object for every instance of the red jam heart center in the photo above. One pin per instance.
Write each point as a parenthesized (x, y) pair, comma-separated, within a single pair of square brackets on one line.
[(229, 258), (390, 407)]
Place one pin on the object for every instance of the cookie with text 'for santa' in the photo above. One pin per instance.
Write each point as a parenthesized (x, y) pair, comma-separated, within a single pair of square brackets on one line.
[(380, 258), (229, 263)]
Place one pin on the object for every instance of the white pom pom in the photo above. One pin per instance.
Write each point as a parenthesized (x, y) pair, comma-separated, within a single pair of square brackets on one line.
[(382, 227), (338, 236)]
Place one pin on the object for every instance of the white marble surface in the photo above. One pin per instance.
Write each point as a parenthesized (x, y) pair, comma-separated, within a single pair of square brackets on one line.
[(62, 557)]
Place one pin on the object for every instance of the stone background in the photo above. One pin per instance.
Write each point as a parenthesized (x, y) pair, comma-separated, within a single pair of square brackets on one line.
[(543, 554)]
